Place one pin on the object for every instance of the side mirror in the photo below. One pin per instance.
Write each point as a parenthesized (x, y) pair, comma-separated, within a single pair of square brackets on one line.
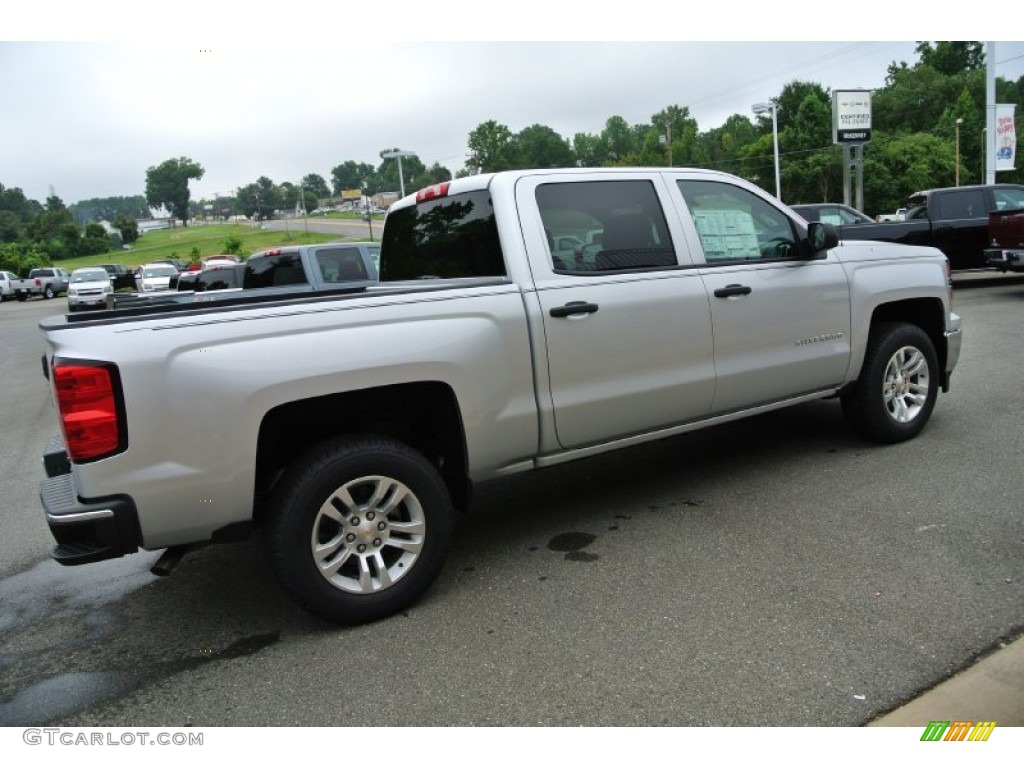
[(822, 236)]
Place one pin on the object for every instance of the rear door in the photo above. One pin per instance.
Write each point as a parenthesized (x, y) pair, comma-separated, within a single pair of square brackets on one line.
[(960, 225), (625, 316)]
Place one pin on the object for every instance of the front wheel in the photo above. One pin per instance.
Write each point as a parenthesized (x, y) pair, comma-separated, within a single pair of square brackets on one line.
[(898, 384), (359, 528)]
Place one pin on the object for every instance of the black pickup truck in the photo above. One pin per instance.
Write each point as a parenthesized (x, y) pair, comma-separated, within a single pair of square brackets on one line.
[(952, 219)]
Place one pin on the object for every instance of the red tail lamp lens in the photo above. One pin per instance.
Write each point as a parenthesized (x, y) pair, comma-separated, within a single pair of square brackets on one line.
[(432, 192), (87, 402)]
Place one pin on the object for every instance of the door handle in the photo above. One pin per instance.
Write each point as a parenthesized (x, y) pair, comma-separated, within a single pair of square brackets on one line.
[(573, 308), (732, 290)]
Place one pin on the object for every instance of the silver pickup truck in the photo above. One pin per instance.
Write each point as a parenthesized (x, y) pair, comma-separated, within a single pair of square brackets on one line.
[(351, 427)]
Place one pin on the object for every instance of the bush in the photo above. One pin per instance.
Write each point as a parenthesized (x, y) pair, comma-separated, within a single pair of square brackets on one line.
[(233, 245), (20, 258)]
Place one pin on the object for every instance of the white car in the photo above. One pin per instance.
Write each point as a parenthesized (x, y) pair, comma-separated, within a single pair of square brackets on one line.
[(154, 277), (89, 287), (7, 281)]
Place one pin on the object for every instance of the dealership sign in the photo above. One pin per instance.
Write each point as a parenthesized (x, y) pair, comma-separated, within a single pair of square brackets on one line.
[(851, 117)]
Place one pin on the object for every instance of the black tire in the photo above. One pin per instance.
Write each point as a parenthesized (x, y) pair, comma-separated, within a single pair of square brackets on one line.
[(898, 384), (347, 493), (48, 292)]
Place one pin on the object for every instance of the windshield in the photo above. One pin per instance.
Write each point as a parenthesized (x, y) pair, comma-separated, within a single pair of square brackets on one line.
[(90, 276), (160, 270)]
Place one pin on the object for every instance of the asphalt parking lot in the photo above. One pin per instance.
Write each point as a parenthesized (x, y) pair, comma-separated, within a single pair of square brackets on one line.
[(777, 571)]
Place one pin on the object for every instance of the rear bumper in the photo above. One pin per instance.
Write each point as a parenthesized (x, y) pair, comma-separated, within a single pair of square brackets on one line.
[(86, 530), (1006, 259)]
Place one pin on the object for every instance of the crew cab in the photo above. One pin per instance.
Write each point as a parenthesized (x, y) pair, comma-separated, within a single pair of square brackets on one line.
[(351, 425), (952, 219), (43, 281)]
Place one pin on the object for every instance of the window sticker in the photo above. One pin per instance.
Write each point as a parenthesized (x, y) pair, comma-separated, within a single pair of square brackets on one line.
[(726, 234)]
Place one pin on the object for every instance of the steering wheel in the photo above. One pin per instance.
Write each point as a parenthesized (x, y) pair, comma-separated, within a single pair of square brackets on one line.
[(777, 248)]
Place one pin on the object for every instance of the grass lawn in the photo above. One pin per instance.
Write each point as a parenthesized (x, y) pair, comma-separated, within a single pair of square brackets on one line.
[(178, 243)]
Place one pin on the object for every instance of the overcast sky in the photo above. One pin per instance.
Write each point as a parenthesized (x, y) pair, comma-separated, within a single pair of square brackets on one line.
[(284, 95)]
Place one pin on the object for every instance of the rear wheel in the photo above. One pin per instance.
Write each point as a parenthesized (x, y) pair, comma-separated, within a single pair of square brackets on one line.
[(898, 384), (48, 292), (359, 528)]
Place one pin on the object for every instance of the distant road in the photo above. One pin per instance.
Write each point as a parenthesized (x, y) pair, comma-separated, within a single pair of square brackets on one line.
[(341, 227)]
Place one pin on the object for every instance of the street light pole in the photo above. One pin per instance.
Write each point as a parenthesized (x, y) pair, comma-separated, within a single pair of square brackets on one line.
[(959, 122), (763, 108), (399, 153)]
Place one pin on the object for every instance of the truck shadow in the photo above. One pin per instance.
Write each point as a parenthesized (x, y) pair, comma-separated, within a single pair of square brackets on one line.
[(112, 627)]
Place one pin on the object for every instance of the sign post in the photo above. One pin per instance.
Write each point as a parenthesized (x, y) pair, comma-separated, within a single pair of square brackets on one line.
[(851, 127)]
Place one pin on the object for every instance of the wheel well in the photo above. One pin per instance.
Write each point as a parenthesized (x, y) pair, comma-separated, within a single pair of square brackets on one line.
[(423, 415), (924, 313)]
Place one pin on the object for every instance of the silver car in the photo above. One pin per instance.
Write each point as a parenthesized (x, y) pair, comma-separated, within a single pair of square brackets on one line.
[(88, 287)]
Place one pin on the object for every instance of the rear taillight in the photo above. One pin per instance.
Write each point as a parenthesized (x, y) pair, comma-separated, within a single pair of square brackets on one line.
[(432, 192), (87, 398)]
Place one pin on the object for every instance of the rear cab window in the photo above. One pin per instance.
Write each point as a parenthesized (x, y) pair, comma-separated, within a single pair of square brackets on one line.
[(442, 237), (274, 270)]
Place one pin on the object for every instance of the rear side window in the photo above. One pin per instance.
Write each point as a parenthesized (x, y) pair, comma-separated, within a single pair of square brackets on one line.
[(445, 237), (962, 204), (217, 279), (342, 265), (602, 226), (1008, 198), (272, 271)]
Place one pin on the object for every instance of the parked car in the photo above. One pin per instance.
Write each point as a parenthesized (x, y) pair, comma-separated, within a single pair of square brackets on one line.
[(44, 281), (218, 277), (179, 264), (900, 215), (155, 277), (835, 214), (7, 282), (121, 278), (352, 424), (1006, 238), (89, 287), (952, 219)]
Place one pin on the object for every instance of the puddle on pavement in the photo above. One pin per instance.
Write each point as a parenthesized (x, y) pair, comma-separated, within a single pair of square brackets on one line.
[(572, 544), (60, 696), (49, 589)]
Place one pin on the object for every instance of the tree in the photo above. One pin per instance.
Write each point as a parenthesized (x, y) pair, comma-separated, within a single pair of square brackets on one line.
[(95, 240), (619, 141), (259, 200), (14, 200), (350, 175), (109, 208), (11, 227), (127, 226), (952, 57), (538, 146), (315, 184), (490, 148), (167, 185), (675, 121), (590, 150)]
